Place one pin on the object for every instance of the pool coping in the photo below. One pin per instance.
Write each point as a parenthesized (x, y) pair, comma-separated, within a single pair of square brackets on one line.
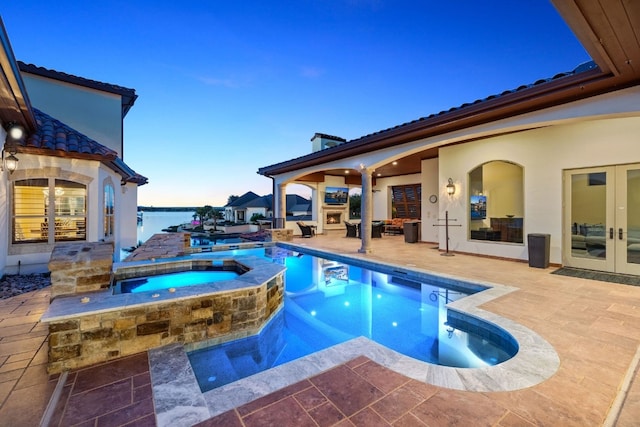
[(179, 401)]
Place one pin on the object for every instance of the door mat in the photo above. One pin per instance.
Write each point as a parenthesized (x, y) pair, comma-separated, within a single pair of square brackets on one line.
[(624, 279)]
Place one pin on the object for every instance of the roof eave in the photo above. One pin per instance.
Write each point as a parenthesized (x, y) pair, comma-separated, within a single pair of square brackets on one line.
[(551, 93), (14, 101)]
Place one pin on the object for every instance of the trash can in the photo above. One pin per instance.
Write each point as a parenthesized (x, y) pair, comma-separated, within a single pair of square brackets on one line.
[(539, 250), (411, 229)]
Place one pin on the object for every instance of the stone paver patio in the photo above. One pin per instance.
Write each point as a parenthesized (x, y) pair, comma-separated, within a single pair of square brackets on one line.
[(594, 327)]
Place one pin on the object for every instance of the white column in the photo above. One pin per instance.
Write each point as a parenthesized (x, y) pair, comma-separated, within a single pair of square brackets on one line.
[(281, 212), (366, 212)]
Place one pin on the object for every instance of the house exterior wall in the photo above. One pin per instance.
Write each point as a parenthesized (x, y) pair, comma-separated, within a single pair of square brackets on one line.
[(34, 257), (382, 199), (94, 113), (253, 211), (4, 213), (126, 216), (543, 154), (430, 210)]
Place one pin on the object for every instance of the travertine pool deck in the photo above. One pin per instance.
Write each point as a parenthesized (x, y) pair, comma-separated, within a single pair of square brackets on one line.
[(593, 326)]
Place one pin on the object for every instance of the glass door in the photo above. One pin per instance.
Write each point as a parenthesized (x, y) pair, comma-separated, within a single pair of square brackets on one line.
[(627, 232), (602, 219), (589, 219)]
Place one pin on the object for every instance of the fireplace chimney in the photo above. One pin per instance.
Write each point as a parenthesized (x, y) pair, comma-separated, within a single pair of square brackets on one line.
[(321, 141)]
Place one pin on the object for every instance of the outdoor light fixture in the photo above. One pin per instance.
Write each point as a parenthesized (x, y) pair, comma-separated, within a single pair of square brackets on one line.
[(451, 188), (15, 131), (10, 163)]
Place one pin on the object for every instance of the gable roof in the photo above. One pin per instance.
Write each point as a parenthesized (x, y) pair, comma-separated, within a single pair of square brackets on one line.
[(246, 197), (127, 95), (292, 201), (54, 138)]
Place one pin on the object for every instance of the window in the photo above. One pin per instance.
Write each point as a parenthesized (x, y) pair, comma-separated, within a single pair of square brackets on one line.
[(496, 202), (38, 203), (406, 201), (109, 220)]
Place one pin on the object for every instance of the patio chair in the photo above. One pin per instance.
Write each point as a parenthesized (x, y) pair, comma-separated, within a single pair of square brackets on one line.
[(352, 229), (307, 230), (376, 229)]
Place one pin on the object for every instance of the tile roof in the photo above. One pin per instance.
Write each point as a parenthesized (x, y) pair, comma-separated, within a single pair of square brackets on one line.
[(293, 202), (590, 65), (53, 135), (424, 122), (54, 138), (327, 136), (128, 95), (246, 197)]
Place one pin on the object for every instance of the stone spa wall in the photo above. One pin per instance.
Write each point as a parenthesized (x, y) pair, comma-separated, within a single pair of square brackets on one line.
[(88, 328)]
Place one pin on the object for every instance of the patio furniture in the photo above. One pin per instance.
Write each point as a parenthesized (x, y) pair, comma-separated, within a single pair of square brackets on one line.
[(376, 229), (352, 229), (307, 230)]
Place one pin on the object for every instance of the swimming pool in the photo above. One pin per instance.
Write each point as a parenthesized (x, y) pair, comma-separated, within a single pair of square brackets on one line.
[(328, 302)]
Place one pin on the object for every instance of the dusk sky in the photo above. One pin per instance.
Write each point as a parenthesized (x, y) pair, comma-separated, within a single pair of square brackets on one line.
[(226, 87)]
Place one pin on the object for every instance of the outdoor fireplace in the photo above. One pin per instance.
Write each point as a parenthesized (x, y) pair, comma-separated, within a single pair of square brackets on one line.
[(334, 217)]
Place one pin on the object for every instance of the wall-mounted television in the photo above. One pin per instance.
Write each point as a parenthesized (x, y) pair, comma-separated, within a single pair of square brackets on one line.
[(478, 207), (336, 195)]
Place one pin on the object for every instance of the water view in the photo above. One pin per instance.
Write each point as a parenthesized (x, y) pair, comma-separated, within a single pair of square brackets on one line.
[(154, 222)]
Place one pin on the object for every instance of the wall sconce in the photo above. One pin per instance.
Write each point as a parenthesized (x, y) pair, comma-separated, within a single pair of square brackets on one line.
[(15, 132), (451, 188), (10, 163)]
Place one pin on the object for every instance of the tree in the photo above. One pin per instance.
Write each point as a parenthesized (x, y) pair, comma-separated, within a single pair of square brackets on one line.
[(216, 214), (232, 198), (255, 217), (354, 205), (204, 213)]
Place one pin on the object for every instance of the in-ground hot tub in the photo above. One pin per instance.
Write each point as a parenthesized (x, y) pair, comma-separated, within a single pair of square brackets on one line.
[(176, 274), (93, 327)]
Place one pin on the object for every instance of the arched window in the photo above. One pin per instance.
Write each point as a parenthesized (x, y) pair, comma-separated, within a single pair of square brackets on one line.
[(40, 202), (109, 218), (496, 204)]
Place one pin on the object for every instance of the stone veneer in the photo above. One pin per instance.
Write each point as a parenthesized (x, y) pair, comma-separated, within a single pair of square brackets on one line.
[(81, 267), (92, 327), (280, 234)]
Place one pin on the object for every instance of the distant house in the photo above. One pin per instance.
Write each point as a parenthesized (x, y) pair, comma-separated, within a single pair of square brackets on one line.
[(70, 182), (234, 212), (250, 204)]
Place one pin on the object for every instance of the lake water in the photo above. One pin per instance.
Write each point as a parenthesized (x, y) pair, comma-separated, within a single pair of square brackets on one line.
[(154, 222)]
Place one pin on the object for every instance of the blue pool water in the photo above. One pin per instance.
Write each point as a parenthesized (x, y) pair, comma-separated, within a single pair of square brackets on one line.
[(329, 302), (173, 280)]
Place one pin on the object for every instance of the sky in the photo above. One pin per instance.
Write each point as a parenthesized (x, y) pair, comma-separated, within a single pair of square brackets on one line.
[(227, 87)]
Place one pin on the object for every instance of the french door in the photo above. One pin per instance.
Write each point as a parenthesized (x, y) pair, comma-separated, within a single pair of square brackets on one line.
[(602, 218)]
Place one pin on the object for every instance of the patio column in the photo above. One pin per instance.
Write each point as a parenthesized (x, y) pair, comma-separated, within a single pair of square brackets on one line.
[(281, 212), (366, 211)]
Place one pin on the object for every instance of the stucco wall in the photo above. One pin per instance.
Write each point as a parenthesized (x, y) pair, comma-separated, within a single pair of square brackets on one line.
[(544, 154), (34, 257), (4, 214), (94, 113)]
